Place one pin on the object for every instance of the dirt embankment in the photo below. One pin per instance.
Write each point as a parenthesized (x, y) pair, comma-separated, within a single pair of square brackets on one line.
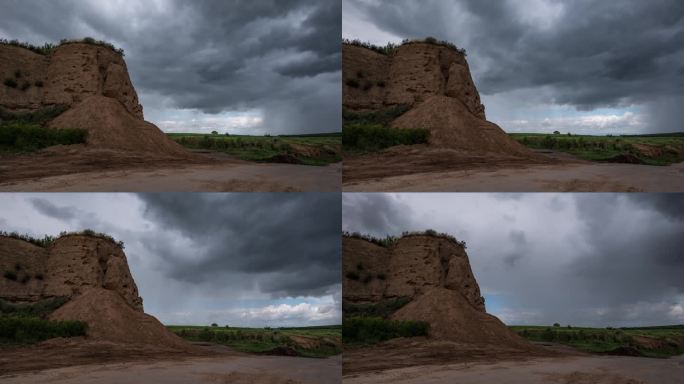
[(93, 83), (433, 275), (92, 273)]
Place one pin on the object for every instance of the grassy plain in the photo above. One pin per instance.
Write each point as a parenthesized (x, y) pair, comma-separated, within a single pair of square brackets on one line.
[(658, 149), (320, 341)]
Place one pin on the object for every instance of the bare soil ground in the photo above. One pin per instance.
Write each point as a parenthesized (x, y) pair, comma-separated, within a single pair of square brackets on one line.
[(421, 169), (75, 170), (433, 363), (63, 361), (567, 370)]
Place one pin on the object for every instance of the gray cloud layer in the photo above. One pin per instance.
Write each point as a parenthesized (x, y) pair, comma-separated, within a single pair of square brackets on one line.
[(587, 54), (596, 259), (281, 57)]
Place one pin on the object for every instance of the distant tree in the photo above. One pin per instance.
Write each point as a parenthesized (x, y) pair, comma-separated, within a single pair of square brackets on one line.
[(556, 132), (227, 326), (214, 133), (227, 134), (556, 325), (214, 325)]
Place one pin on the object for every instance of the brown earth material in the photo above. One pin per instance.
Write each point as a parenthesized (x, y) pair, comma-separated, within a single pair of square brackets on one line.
[(72, 265), (111, 318), (451, 317), (451, 125), (110, 126)]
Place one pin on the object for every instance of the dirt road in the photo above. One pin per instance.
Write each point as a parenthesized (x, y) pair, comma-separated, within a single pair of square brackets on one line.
[(561, 370), (228, 369), (571, 177), (222, 177)]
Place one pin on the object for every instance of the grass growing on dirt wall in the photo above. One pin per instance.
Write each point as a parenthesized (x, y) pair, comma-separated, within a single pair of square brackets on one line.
[(646, 342), (48, 48), (28, 324), (27, 132), (267, 340), (47, 240)]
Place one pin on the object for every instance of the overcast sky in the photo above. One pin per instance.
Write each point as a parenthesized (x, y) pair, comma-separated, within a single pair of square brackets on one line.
[(581, 66), (239, 66), (239, 259), (580, 259)]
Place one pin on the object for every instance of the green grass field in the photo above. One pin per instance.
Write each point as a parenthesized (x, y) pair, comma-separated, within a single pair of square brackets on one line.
[(370, 131), (323, 341), (659, 149), (314, 149), (662, 341)]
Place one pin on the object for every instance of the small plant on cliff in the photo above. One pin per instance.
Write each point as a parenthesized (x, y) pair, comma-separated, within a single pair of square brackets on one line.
[(352, 275), (10, 275), (11, 83), (41, 242), (352, 83)]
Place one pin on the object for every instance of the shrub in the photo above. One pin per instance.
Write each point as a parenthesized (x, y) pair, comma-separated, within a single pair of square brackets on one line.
[(353, 275), (364, 137), (33, 329), (214, 132), (351, 83), (391, 47), (11, 83), (556, 325), (10, 275), (214, 325), (31, 137), (382, 309), (371, 330)]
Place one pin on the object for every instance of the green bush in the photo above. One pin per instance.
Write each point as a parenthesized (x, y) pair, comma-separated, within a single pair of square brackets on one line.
[(26, 137), (25, 330), (364, 137), (381, 309), (371, 330), (40, 309)]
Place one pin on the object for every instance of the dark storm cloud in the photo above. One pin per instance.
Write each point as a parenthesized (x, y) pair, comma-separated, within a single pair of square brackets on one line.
[(586, 53), (210, 55), (48, 209), (288, 243), (593, 259)]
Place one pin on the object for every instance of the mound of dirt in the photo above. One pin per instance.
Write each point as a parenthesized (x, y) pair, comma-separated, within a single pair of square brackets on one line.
[(452, 317), (451, 125), (111, 318), (111, 126)]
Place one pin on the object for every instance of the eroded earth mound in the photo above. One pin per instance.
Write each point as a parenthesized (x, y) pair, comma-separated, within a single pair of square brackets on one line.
[(91, 272), (434, 82), (432, 274), (92, 81)]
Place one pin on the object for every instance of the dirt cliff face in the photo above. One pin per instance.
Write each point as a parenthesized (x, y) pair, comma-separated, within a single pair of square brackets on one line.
[(67, 76), (412, 266), (70, 266), (411, 74)]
